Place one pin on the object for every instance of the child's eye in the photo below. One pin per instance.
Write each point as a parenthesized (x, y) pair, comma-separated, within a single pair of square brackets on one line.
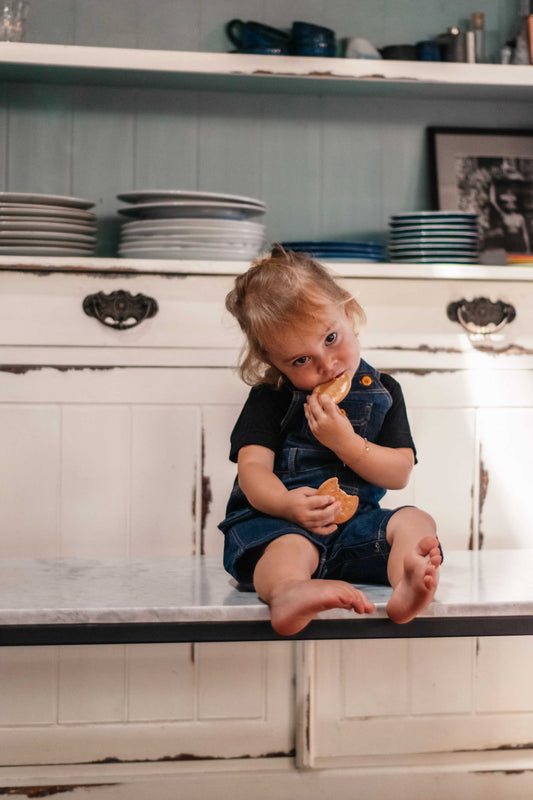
[(299, 362), (331, 337)]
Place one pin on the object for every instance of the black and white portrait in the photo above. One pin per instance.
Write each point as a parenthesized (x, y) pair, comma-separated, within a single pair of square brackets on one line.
[(490, 173), (500, 191)]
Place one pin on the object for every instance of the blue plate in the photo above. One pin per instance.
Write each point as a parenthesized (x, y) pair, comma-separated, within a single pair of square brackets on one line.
[(435, 260), (442, 215), (455, 236), (434, 246), (366, 246), (346, 255)]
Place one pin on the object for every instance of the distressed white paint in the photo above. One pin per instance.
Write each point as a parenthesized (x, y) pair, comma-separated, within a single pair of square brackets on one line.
[(125, 449), (96, 142)]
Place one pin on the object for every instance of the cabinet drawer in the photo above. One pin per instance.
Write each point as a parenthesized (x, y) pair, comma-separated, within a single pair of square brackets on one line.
[(47, 310), (408, 320)]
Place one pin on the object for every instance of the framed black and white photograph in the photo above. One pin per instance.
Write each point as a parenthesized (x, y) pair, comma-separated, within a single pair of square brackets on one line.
[(489, 172)]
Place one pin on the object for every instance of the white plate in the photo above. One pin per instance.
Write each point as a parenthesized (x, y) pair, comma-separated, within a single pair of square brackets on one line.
[(190, 224), (33, 250), (186, 238), (30, 224), (43, 237), (148, 196), (192, 254), (160, 245), (44, 211), (45, 199), (182, 208)]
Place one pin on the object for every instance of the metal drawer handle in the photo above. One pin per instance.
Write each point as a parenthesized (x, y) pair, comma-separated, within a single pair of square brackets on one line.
[(481, 315), (120, 310)]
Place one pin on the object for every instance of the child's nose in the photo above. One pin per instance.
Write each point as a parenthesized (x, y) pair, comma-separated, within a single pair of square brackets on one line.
[(327, 367)]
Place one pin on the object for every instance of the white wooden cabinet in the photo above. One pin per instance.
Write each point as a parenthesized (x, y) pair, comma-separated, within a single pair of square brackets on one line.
[(115, 443)]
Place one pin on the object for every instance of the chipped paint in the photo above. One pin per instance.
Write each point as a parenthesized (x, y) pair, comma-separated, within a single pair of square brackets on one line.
[(421, 348), (193, 757), (483, 489), (500, 771), (206, 496), (22, 369), (507, 350), (329, 74), (499, 748), (48, 791), (471, 538), (420, 371), (308, 718), (193, 508)]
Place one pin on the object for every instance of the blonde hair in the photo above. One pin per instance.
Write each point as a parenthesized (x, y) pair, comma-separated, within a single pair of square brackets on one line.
[(278, 290)]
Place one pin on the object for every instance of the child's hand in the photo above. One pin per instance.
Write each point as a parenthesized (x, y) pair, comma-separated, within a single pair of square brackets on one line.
[(310, 510), (327, 422)]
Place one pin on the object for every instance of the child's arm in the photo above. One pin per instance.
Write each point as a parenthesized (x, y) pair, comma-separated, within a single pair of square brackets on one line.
[(384, 466), (266, 493)]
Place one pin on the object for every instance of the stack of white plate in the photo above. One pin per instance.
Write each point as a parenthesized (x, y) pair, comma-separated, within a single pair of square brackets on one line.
[(46, 225), (191, 225), (434, 237)]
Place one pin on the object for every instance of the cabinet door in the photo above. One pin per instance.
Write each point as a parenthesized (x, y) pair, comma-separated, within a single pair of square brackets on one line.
[(115, 463), (411, 699)]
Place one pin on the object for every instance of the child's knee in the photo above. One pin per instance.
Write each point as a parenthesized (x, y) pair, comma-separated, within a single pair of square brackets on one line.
[(411, 521)]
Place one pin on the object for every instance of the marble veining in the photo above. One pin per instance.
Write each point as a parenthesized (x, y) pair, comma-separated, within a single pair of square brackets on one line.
[(66, 591)]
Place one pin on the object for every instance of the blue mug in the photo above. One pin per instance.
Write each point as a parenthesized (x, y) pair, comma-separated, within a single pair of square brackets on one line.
[(256, 37), (303, 29), (308, 39), (427, 51)]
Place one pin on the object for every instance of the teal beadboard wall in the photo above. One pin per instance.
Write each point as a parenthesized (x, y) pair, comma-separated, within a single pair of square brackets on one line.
[(328, 167)]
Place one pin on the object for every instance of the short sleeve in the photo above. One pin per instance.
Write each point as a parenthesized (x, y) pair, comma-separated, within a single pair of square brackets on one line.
[(260, 420), (395, 431)]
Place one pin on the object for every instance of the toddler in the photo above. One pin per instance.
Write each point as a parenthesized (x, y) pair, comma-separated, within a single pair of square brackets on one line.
[(301, 329)]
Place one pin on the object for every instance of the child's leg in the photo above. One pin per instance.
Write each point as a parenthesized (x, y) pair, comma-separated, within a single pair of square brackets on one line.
[(282, 578), (414, 563)]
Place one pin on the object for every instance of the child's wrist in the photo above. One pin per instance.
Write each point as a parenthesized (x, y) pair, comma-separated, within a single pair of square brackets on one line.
[(363, 451)]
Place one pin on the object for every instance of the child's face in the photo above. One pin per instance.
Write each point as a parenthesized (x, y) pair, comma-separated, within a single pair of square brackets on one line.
[(317, 353)]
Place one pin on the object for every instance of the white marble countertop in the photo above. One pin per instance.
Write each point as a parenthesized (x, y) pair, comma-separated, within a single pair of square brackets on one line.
[(492, 583)]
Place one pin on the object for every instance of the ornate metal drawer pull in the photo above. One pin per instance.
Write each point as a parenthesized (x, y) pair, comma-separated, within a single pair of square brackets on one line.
[(481, 315), (119, 309)]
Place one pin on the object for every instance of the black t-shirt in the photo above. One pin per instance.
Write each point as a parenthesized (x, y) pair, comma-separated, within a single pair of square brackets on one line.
[(260, 419)]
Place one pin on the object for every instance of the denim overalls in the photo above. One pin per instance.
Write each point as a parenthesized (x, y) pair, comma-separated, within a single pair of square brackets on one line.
[(358, 550)]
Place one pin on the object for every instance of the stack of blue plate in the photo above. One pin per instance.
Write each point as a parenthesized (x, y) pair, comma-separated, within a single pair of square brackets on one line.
[(349, 251), (434, 237)]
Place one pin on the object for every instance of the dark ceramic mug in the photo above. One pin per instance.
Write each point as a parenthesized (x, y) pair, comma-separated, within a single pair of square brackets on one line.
[(308, 39), (256, 37)]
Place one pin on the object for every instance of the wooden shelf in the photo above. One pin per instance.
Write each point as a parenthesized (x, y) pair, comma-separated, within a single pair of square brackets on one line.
[(111, 66), (344, 269)]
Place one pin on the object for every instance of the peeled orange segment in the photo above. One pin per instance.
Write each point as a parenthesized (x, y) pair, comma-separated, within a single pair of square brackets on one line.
[(337, 388), (349, 502)]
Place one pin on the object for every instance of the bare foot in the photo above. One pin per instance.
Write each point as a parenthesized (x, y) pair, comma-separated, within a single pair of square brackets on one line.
[(295, 603), (418, 585)]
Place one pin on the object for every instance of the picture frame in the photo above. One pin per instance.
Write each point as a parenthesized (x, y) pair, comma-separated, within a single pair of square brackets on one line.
[(488, 171)]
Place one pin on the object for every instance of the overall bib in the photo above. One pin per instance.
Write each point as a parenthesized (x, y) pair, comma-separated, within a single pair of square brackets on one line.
[(303, 461)]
